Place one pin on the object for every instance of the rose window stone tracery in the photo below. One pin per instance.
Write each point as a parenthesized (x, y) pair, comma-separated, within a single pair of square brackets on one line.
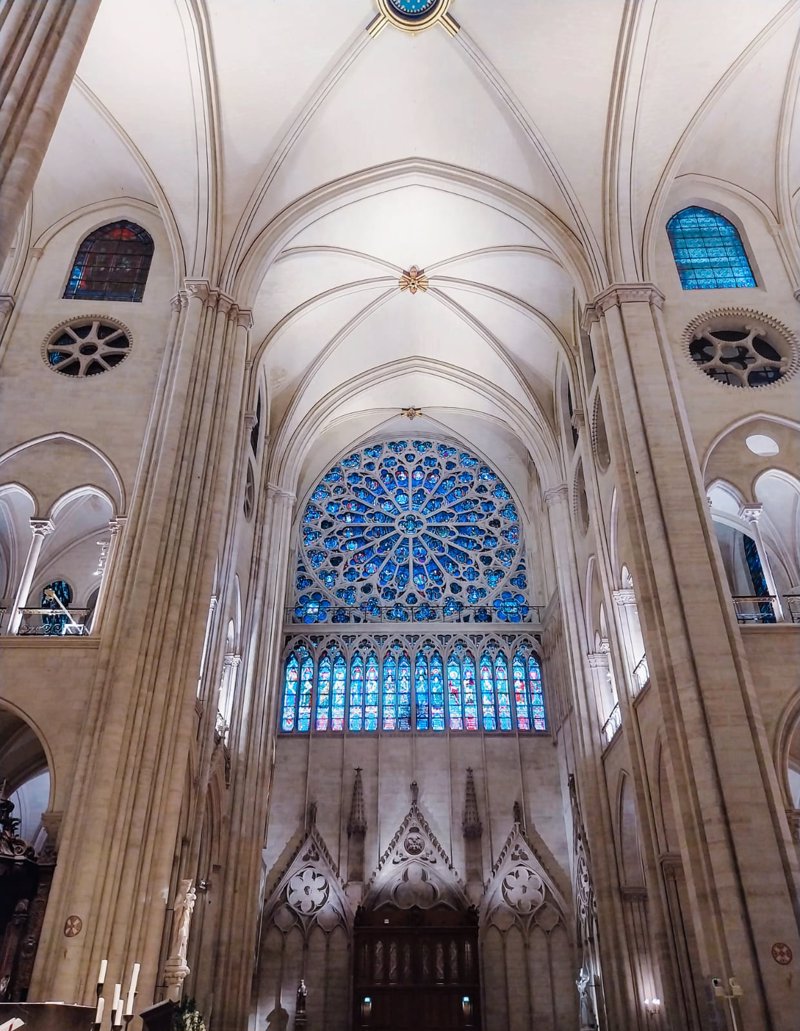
[(307, 891), (411, 530), (523, 889)]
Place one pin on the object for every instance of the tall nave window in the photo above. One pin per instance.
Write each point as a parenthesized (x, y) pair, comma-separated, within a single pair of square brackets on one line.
[(111, 264), (411, 571), (708, 251)]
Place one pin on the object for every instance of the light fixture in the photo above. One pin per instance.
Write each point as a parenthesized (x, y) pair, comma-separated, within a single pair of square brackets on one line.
[(652, 1005)]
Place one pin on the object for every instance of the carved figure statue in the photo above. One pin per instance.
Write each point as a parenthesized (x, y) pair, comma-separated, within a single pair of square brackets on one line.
[(302, 993), (588, 1014), (184, 905)]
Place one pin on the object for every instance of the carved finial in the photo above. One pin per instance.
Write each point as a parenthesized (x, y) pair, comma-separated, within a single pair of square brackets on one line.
[(471, 823), (411, 413), (414, 279), (518, 813), (357, 824), (414, 791)]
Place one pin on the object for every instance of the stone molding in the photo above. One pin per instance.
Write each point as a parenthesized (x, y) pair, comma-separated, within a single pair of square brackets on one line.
[(553, 495), (751, 513), (6, 304), (273, 490), (42, 527), (624, 596), (215, 299), (618, 294)]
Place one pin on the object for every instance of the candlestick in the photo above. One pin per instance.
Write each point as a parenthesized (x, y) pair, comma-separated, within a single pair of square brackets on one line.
[(132, 988), (98, 1013), (117, 1022), (116, 1002), (101, 977)]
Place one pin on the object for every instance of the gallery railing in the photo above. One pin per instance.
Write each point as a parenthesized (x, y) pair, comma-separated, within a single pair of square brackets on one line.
[(640, 676), (755, 610), (507, 613), (612, 725), (49, 622)]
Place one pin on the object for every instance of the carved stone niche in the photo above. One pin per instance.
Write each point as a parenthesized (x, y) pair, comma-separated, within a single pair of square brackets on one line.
[(520, 890)]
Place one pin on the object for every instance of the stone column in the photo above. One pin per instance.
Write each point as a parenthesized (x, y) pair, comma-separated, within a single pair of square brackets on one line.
[(121, 825), (252, 742), (41, 43), (586, 736), (40, 529), (114, 526), (741, 896), (752, 515)]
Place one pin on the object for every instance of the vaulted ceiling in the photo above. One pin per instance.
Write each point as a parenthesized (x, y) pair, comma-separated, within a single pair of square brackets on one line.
[(302, 165)]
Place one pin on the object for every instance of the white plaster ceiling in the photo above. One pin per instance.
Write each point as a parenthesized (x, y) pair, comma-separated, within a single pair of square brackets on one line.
[(535, 148)]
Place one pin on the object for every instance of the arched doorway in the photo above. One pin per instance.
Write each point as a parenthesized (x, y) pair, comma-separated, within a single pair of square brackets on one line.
[(27, 858), (416, 969)]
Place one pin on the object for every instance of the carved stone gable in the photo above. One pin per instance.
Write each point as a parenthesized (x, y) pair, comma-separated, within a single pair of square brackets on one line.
[(520, 890), (309, 890), (415, 870)]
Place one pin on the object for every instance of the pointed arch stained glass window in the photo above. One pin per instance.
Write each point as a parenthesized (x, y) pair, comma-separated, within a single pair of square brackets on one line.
[(403, 686), (708, 251), (112, 264)]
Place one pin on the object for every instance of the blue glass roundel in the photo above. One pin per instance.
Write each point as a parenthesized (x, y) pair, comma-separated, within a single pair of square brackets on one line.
[(413, 8), (410, 530)]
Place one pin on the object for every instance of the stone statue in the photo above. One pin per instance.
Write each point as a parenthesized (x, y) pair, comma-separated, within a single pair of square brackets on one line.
[(302, 994), (588, 1014), (184, 905), (176, 968)]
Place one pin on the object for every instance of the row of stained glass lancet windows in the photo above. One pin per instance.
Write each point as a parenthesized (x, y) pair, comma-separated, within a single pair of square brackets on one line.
[(708, 251), (426, 693)]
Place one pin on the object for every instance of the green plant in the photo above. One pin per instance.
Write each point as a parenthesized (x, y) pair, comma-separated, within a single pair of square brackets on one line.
[(187, 1017)]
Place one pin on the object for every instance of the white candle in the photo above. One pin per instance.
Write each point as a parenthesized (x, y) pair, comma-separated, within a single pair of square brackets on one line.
[(98, 1013), (132, 989), (101, 977), (118, 1015), (117, 995)]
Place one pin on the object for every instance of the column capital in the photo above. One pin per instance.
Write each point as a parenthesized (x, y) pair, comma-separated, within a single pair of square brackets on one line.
[(42, 527), (618, 294), (751, 512), (597, 660), (216, 299), (231, 661), (554, 495), (625, 596), (6, 304), (273, 490)]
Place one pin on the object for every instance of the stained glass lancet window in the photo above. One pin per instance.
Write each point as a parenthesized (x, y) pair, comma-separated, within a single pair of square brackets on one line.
[(111, 264), (708, 251), (403, 533), (472, 684)]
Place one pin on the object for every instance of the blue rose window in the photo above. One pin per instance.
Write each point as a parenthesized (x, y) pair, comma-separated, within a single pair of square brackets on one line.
[(413, 8), (410, 531)]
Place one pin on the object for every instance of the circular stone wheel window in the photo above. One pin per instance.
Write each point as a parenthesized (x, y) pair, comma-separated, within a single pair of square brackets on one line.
[(87, 347), (741, 356)]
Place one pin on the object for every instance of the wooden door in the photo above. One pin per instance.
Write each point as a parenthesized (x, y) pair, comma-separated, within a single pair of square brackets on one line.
[(416, 970)]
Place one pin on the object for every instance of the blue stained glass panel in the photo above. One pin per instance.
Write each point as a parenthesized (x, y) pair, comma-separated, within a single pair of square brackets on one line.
[(437, 692), (503, 694), (371, 693), (356, 722), (421, 693), (306, 693), (537, 695), (404, 693), (290, 683), (521, 701), (708, 251), (389, 693), (338, 693), (470, 694), (455, 701), (487, 693), (323, 694)]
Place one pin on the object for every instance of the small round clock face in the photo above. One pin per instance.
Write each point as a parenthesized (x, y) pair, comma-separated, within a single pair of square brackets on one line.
[(413, 8)]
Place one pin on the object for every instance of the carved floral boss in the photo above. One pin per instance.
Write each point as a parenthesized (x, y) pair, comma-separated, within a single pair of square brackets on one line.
[(307, 891)]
